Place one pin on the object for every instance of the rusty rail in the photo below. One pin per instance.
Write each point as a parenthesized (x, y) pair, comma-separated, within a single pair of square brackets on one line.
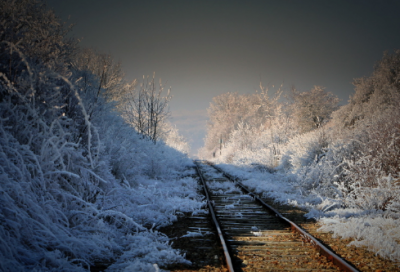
[(340, 262)]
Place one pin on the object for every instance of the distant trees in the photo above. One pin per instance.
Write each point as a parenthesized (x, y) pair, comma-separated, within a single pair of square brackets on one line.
[(229, 112), (262, 124), (224, 113)]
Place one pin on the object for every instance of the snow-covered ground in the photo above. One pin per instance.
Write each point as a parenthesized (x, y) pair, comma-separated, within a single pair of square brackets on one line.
[(377, 230), (51, 229)]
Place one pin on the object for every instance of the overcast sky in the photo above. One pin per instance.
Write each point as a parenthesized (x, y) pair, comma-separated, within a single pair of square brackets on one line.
[(205, 48)]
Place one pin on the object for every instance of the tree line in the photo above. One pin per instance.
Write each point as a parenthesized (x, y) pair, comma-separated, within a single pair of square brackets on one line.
[(345, 151), (282, 115)]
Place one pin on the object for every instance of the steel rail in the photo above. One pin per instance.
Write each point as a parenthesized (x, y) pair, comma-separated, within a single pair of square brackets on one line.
[(337, 260), (214, 217)]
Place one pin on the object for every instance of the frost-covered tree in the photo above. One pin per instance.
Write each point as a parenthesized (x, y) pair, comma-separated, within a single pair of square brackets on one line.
[(109, 76), (229, 110), (170, 135), (311, 109), (145, 107), (35, 31), (225, 112), (31, 34), (373, 94)]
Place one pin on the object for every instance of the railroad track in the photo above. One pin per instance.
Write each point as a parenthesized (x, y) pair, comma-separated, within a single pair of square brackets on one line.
[(256, 237)]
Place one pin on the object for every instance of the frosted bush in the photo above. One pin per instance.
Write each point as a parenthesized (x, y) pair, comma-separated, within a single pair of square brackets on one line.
[(78, 184), (145, 249), (303, 149), (82, 215), (384, 196), (250, 145)]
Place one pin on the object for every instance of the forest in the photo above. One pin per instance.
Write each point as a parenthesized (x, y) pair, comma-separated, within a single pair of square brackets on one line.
[(90, 167)]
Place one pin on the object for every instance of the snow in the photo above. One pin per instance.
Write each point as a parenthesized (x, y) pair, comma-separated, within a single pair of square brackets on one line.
[(375, 229), (198, 233), (78, 184), (344, 172), (38, 214)]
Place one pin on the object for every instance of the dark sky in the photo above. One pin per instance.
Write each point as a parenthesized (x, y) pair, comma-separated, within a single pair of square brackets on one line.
[(204, 48)]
